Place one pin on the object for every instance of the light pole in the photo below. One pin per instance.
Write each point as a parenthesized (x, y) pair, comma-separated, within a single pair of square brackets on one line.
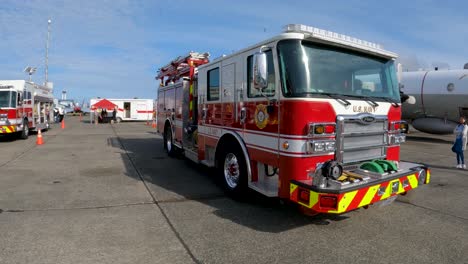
[(47, 53), (30, 71)]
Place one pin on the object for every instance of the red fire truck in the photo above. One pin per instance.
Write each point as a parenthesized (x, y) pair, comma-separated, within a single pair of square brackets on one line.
[(310, 116), (24, 106)]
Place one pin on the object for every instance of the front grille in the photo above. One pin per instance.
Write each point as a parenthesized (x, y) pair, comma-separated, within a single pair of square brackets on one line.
[(353, 125), (359, 141), (363, 140)]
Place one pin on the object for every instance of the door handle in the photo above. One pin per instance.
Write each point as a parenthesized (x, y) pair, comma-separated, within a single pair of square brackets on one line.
[(204, 114), (243, 115)]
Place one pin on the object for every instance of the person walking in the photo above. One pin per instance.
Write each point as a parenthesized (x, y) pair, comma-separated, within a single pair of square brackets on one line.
[(61, 114), (114, 114), (95, 116), (460, 131)]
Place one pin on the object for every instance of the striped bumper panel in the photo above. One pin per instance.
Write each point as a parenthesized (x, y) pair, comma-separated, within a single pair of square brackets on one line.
[(7, 129), (354, 199)]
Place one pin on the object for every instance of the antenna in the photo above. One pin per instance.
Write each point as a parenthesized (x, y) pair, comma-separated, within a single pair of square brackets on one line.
[(30, 70), (47, 54)]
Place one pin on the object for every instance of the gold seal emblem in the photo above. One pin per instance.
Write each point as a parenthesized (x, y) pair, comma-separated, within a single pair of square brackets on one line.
[(261, 116)]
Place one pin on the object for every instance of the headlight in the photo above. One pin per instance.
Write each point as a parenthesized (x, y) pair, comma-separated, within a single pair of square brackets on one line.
[(330, 146), (321, 146), (402, 138), (397, 139)]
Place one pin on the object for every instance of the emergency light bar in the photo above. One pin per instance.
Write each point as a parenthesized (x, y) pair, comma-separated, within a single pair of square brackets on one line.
[(339, 38)]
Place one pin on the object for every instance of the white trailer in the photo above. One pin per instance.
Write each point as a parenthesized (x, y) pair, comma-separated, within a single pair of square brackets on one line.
[(127, 109)]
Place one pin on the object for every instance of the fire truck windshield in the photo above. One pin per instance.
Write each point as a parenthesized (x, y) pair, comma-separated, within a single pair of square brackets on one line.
[(5, 99), (310, 70)]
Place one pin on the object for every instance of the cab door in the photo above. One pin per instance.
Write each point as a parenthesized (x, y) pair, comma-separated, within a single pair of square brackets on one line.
[(228, 87), (261, 126), (210, 112)]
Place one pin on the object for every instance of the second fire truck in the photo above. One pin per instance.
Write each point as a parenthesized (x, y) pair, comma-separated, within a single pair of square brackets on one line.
[(310, 116), (24, 106)]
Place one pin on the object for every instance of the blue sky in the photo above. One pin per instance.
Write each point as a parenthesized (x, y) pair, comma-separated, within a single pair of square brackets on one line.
[(113, 48)]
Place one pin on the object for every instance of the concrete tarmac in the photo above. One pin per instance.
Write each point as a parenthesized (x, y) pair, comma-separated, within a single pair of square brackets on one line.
[(109, 194)]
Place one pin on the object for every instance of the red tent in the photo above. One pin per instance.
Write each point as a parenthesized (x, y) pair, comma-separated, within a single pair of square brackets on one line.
[(104, 104)]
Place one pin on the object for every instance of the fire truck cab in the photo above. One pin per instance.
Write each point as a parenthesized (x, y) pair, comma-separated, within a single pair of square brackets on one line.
[(310, 116), (24, 106)]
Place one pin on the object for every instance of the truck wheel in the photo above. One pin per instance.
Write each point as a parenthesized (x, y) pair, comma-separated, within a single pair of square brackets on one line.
[(119, 119), (168, 143), (233, 170), (25, 133)]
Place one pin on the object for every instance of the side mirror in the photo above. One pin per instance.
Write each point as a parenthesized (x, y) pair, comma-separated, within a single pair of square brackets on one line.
[(399, 72), (260, 70), (411, 100)]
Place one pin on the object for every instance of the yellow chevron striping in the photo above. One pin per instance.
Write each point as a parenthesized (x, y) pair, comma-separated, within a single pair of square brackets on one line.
[(348, 198), (7, 129), (345, 202), (292, 188), (388, 191), (191, 99), (314, 198), (413, 181), (428, 177), (400, 188), (369, 195)]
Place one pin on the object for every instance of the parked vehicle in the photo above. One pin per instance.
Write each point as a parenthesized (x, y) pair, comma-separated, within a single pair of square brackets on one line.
[(24, 106), (309, 116), (127, 109)]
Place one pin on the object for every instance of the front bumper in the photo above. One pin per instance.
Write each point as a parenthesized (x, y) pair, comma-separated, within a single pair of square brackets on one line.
[(344, 200), (7, 129)]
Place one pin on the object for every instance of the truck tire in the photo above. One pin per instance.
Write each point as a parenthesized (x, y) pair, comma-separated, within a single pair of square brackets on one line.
[(232, 170), (25, 133), (118, 119), (168, 142)]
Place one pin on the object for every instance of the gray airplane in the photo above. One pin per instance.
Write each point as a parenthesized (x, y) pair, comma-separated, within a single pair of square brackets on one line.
[(441, 97)]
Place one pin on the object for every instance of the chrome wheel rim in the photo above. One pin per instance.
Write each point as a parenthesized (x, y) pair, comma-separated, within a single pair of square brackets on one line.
[(26, 129), (231, 170), (168, 141)]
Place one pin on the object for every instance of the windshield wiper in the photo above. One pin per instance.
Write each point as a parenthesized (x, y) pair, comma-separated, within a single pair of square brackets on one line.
[(393, 102), (365, 98), (338, 98)]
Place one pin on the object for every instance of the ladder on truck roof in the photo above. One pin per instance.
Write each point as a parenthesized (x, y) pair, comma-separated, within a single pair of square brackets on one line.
[(182, 66)]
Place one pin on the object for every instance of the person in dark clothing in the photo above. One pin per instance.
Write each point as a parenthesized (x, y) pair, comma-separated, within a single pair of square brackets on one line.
[(114, 114), (459, 146)]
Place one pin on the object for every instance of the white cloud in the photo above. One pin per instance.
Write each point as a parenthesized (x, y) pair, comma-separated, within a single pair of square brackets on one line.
[(113, 48), (78, 30)]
